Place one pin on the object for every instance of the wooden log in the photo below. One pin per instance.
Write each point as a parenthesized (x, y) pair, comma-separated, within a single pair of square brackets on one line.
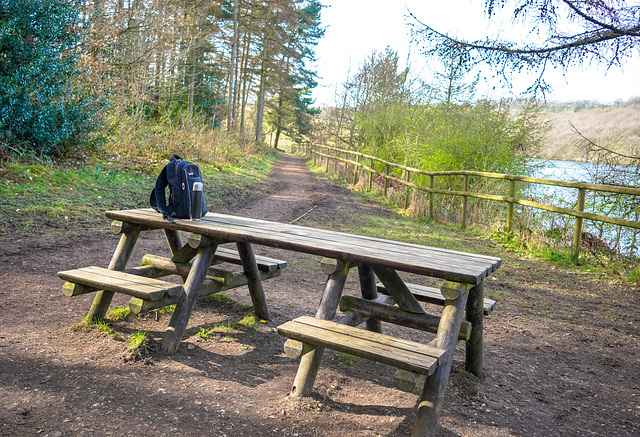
[(434, 295), (310, 362), (430, 403), (182, 313), (173, 240), (395, 315), (120, 227), (182, 269), (185, 254), (209, 286), (294, 348), (119, 260), (398, 290), (252, 272), (354, 318), (369, 290), (190, 250), (406, 380), (333, 291), (453, 290), (475, 345), (197, 241), (330, 265)]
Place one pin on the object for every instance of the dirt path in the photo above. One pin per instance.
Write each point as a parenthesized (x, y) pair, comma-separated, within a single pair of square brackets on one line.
[(562, 354)]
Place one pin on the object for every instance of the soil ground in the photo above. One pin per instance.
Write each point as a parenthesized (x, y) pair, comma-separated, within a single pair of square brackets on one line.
[(561, 349)]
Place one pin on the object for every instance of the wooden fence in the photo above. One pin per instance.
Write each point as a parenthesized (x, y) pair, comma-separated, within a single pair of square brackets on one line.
[(361, 162)]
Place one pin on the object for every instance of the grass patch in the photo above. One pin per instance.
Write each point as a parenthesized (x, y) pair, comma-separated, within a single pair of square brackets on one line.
[(346, 359), (101, 326), (169, 309), (118, 314), (138, 344), (245, 325), (71, 196)]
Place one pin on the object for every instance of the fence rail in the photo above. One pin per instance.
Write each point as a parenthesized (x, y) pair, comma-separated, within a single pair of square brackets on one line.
[(357, 160)]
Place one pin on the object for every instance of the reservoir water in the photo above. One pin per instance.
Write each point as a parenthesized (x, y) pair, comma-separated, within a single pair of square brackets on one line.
[(622, 239)]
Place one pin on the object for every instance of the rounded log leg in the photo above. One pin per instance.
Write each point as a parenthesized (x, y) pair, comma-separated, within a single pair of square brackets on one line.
[(369, 291), (310, 362), (121, 256), (475, 316), (430, 403), (248, 259), (180, 318), (307, 372)]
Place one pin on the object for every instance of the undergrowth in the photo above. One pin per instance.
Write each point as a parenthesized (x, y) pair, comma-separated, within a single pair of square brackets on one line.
[(70, 196)]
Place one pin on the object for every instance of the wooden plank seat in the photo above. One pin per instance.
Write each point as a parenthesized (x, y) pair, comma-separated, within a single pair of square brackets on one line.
[(403, 354), (146, 291), (130, 284), (265, 264), (434, 296)]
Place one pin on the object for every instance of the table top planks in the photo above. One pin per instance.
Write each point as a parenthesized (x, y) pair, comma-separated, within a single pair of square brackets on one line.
[(423, 260)]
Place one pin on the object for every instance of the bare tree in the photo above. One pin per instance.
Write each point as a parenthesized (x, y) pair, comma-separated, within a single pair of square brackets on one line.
[(564, 33)]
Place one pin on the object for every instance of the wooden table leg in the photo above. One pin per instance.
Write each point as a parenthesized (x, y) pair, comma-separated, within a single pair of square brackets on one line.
[(310, 361), (182, 313), (250, 267), (430, 403), (119, 261), (475, 316), (398, 290), (369, 291), (173, 239)]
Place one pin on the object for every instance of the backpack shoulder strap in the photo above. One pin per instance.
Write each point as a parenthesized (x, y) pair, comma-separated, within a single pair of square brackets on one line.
[(158, 199)]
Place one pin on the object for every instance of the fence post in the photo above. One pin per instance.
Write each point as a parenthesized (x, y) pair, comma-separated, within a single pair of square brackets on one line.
[(326, 163), (577, 233), (355, 170), (370, 174), (407, 196), (512, 193), (386, 180), (464, 202), (431, 185)]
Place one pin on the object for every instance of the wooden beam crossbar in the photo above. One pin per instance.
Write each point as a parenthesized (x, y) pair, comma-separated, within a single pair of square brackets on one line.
[(434, 296)]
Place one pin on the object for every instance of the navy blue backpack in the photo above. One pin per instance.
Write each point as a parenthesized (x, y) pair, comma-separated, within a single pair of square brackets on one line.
[(179, 175)]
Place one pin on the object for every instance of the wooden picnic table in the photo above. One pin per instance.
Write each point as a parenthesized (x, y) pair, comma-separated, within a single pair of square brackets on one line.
[(461, 294)]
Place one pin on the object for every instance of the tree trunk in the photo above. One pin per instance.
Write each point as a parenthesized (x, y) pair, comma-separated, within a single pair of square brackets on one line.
[(263, 77), (232, 70)]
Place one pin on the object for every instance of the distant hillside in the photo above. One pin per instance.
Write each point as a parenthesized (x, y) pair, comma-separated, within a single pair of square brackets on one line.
[(616, 127)]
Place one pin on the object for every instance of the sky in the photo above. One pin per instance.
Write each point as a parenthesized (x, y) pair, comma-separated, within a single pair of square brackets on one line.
[(355, 28)]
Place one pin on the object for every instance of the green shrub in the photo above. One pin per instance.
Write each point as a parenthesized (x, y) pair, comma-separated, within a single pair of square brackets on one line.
[(44, 109)]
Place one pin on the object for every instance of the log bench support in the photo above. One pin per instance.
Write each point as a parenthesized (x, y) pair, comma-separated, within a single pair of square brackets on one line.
[(182, 313), (119, 261), (310, 362), (192, 262), (430, 403), (415, 361)]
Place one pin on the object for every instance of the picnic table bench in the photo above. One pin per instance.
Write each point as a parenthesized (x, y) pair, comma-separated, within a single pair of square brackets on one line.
[(149, 293), (385, 296)]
